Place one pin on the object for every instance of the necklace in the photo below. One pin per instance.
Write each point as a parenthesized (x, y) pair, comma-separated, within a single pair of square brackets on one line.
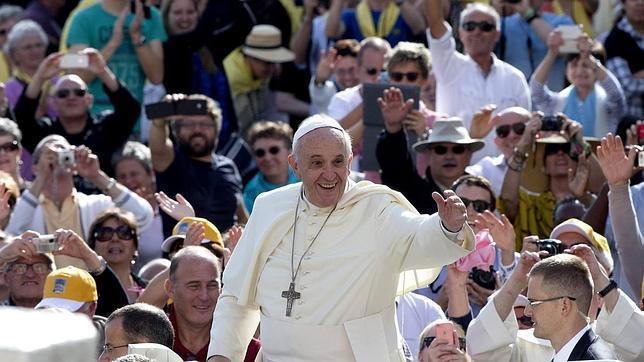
[(291, 295)]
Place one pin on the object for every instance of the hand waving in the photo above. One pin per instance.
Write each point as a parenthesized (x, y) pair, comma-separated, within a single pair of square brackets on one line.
[(451, 210), (501, 229), (394, 109), (615, 164), (482, 121), (176, 209)]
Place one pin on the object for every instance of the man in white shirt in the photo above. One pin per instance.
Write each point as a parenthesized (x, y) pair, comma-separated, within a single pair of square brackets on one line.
[(467, 82)]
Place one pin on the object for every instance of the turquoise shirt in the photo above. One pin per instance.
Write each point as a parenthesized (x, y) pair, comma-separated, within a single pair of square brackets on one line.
[(259, 184)]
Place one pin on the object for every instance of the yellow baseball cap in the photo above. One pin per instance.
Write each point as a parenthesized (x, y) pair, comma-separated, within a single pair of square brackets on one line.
[(68, 288), (211, 233)]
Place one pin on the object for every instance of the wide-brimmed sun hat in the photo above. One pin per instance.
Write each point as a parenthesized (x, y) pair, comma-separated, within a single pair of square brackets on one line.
[(451, 130), (265, 43)]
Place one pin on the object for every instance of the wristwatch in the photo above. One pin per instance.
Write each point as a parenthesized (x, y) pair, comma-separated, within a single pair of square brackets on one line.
[(101, 268), (609, 288)]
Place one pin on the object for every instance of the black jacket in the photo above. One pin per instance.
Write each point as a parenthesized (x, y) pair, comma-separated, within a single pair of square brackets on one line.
[(591, 347)]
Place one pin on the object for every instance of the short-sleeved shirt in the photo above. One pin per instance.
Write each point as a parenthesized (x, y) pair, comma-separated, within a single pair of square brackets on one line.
[(212, 188), (93, 27)]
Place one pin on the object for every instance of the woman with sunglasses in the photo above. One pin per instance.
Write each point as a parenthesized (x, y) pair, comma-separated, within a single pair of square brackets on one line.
[(114, 236), (594, 98), (11, 151), (271, 143)]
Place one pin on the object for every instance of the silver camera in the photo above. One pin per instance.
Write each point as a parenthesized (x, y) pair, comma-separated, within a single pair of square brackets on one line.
[(66, 157), (45, 243)]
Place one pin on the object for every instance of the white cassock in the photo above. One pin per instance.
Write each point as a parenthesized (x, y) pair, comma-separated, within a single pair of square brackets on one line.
[(348, 279)]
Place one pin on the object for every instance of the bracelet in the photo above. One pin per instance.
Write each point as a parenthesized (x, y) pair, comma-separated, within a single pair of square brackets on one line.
[(101, 267), (609, 288), (514, 165), (110, 184), (520, 156)]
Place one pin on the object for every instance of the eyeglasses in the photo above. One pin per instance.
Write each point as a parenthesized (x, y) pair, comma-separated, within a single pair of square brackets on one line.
[(398, 76), (64, 93), (535, 302), (483, 25), (105, 233), (192, 125), (273, 150), (10, 146), (428, 340), (478, 205), (504, 130), (374, 71), (554, 148), (441, 150), (108, 349), (4, 32), (38, 268)]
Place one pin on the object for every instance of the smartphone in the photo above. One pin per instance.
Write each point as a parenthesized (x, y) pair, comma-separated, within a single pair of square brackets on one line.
[(445, 332), (570, 34), (45, 243), (146, 9), (639, 160), (159, 110), (191, 107), (640, 134), (74, 61)]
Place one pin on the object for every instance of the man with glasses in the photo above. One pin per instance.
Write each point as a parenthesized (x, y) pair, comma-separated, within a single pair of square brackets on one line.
[(25, 272), (466, 82), (509, 125), (189, 166), (104, 134)]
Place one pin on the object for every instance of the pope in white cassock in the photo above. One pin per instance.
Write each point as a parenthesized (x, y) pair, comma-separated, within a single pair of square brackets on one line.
[(321, 261)]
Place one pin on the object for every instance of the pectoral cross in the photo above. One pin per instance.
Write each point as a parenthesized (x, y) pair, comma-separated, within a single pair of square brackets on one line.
[(290, 296)]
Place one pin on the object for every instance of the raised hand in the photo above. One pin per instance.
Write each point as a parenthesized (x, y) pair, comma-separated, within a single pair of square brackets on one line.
[(135, 25), (394, 109), (176, 209), (482, 121), (86, 165), (195, 234), (96, 63), (588, 255), (616, 165), (632, 134), (117, 28), (5, 208), (501, 229), (49, 67), (478, 293), (451, 210), (578, 179), (416, 122), (326, 65), (19, 247), (555, 41)]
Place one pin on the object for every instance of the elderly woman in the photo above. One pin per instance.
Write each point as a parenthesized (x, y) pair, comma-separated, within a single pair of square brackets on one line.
[(271, 143), (26, 45), (594, 98), (114, 236), (9, 16), (11, 151)]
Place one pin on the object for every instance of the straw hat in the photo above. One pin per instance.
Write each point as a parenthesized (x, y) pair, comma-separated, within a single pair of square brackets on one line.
[(449, 130), (265, 43)]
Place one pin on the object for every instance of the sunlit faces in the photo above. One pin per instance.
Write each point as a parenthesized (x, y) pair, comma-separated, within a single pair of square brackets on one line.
[(197, 134), (262, 69), (373, 61), (557, 160), (478, 42), (115, 341), (9, 154), (581, 72), (322, 163), (474, 194), (346, 71), (29, 52), (27, 285), (195, 290), (131, 173), (448, 160), (506, 144), (544, 315), (182, 16), (117, 250), (407, 73), (271, 156), (73, 104)]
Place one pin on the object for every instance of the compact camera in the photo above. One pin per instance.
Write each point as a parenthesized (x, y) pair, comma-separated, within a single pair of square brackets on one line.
[(552, 123), (66, 157), (484, 278), (45, 243), (74, 61), (552, 246)]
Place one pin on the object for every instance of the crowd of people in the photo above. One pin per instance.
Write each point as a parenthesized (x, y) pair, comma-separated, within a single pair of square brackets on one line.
[(346, 180)]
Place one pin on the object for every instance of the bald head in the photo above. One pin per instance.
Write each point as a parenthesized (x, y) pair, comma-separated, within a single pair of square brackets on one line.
[(508, 128)]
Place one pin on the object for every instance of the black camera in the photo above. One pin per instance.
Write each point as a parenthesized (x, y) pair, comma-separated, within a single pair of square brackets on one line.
[(552, 246), (552, 123), (512, 1), (484, 278), (147, 13)]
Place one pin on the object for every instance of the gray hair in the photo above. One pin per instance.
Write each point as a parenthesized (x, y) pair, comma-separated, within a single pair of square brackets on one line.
[(45, 141), (376, 43), (22, 29), (144, 323), (137, 151), (10, 128), (8, 12), (482, 8), (189, 252)]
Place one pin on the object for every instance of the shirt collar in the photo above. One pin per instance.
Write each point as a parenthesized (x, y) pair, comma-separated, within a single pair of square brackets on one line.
[(566, 350)]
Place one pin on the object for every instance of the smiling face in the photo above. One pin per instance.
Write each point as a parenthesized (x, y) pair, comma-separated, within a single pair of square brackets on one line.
[(116, 251), (197, 135), (581, 72), (274, 166), (478, 42), (322, 163), (182, 16), (29, 52), (68, 100), (9, 154), (27, 286), (448, 161), (195, 290), (131, 173), (346, 71), (557, 164)]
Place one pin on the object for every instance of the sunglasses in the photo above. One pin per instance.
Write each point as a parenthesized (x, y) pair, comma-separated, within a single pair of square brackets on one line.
[(105, 233), (10, 146), (428, 340), (374, 71), (478, 205), (504, 130), (441, 150), (4, 32), (64, 93), (38, 268), (554, 148), (398, 76), (273, 150), (483, 25)]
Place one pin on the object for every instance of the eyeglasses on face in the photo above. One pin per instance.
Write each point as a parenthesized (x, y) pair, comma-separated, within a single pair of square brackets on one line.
[(192, 125), (108, 349), (441, 150), (504, 130), (10, 146), (478, 205), (273, 150), (374, 71), (554, 148), (21, 268), (398, 76), (535, 302), (105, 233), (428, 340), (483, 25), (64, 93)]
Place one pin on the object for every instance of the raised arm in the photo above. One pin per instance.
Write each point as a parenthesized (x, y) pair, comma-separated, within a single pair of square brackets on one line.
[(334, 26), (413, 16), (434, 17), (148, 51)]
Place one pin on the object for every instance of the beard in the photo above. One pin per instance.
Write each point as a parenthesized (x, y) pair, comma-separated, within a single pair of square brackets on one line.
[(197, 150)]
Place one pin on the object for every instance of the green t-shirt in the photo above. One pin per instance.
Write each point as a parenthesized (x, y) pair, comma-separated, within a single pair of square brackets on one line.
[(93, 27)]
